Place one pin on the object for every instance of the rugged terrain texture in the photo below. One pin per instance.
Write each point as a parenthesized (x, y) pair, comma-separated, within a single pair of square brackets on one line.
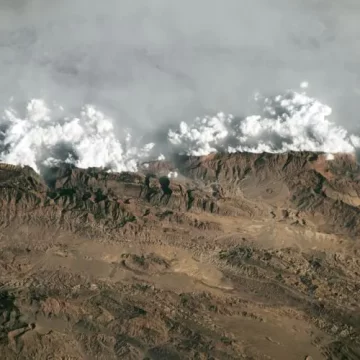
[(243, 256)]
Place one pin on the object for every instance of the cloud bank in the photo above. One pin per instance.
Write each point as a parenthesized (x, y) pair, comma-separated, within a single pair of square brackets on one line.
[(148, 63), (45, 138), (292, 121), (289, 122), (149, 67)]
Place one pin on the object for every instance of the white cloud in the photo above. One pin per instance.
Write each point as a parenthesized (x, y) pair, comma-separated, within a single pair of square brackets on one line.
[(289, 122), (87, 141)]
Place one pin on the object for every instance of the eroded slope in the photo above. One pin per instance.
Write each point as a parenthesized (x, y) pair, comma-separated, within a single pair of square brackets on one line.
[(250, 256)]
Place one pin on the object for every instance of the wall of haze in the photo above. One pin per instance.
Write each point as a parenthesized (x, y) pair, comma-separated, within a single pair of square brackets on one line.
[(157, 61)]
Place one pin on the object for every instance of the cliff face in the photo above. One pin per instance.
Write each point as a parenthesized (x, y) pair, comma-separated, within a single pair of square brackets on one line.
[(241, 256)]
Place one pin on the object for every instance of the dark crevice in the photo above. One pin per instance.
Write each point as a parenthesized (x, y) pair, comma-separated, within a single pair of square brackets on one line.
[(165, 185), (190, 199)]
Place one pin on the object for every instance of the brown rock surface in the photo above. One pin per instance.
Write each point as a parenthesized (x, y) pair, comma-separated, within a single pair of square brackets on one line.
[(243, 256)]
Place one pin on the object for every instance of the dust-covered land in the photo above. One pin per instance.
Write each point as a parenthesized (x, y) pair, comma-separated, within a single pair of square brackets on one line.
[(242, 256)]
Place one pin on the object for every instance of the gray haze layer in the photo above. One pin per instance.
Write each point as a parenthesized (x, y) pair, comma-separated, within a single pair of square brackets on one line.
[(156, 61)]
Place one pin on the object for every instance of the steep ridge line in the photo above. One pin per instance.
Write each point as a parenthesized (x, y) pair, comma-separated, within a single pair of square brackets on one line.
[(140, 265)]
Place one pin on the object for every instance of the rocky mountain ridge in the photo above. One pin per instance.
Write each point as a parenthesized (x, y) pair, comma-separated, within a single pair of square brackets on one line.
[(251, 256)]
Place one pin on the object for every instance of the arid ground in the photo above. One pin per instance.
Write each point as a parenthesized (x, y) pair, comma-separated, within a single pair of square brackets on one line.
[(242, 256)]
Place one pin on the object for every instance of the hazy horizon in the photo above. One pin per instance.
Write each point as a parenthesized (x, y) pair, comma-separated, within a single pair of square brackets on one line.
[(150, 65), (150, 62)]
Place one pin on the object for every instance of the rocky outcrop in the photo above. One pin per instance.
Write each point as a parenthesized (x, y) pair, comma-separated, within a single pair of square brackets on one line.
[(219, 262)]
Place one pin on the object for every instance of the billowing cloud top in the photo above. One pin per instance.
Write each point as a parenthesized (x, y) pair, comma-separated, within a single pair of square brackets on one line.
[(289, 122), (45, 136), (147, 68)]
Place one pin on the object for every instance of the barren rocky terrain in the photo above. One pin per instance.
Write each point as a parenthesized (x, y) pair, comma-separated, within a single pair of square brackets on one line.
[(242, 256)]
